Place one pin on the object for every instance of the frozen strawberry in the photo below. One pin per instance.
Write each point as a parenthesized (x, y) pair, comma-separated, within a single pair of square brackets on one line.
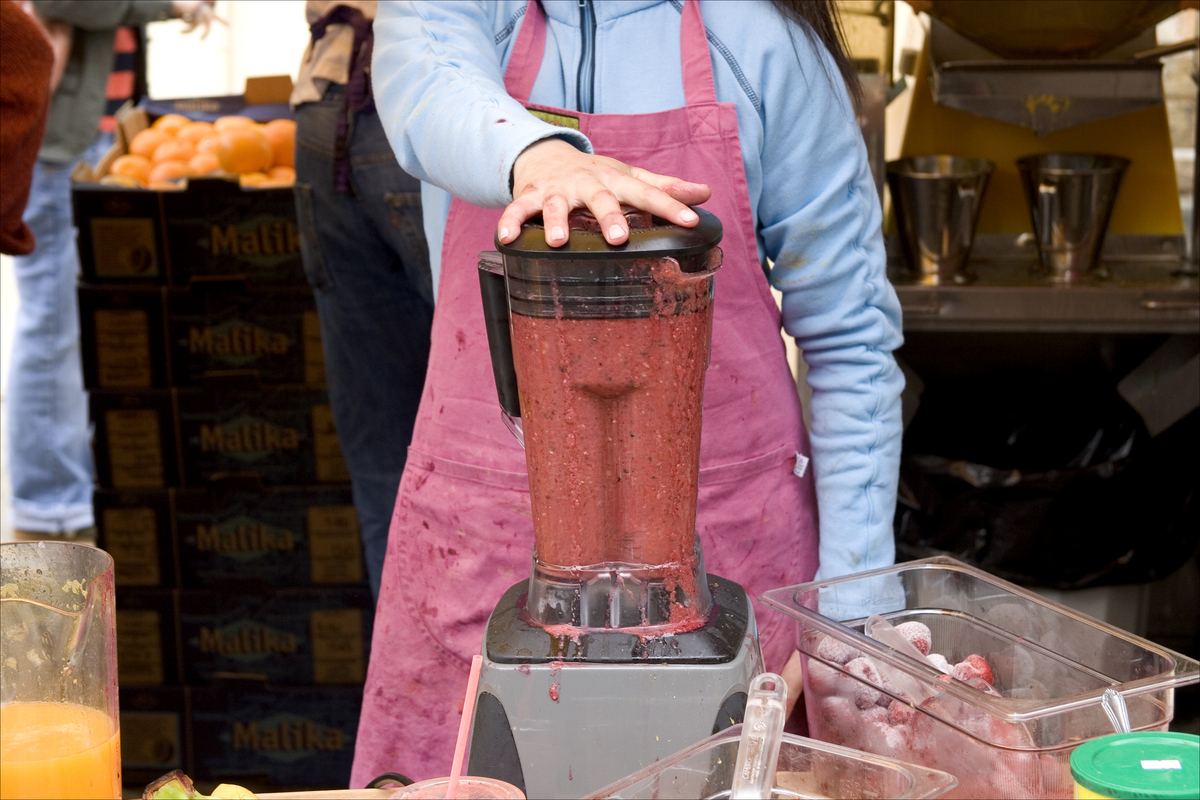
[(917, 634), (900, 713), (865, 694), (836, 651), (939, 661), (972, 666)]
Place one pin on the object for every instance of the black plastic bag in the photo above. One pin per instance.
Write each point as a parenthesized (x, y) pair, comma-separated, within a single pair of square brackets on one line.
[(1059, 487)]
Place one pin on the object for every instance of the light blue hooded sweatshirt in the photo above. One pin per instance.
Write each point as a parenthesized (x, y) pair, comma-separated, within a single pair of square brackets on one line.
[(438, 76)]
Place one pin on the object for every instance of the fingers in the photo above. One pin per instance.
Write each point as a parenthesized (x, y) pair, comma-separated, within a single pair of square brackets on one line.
[(607, 210), (649, 197), (554, 219), (673, 196), (553, 177), (515, 215)]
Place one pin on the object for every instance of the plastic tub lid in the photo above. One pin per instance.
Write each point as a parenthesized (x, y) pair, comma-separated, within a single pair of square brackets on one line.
[(1140, 765)]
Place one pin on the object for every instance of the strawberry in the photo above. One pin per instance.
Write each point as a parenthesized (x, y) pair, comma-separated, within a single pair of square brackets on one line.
[(918, 635), (972, 666)]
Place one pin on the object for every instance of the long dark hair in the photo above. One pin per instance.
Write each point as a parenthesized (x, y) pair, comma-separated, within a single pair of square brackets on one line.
[(820, 18)]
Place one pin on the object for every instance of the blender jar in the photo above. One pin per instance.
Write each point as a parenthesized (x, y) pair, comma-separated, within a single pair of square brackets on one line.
[(609, 346), (59, 733)]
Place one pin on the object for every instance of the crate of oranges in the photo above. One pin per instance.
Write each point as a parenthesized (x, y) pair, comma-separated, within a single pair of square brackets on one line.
[(187, 195), (174, 148)]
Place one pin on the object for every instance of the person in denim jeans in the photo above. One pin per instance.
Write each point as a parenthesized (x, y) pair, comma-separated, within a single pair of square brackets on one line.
[(366, 258), (49, 436)]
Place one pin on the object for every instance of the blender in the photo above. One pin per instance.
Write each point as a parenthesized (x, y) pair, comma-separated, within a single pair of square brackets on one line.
[(620, 649)]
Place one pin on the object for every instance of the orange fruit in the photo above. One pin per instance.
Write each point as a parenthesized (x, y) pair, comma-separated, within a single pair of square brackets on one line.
[(194, 132), (173, 150), (208, 144), (167, 186), (282, 176), (281, 133), (205, 163), (225, 123), (131, 166), (145, 143), (170, 124), (123, 181), (170, 170), (243, 150), (254, 179)]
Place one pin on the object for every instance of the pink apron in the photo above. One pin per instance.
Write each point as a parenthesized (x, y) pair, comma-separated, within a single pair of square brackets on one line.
[(462, 532)]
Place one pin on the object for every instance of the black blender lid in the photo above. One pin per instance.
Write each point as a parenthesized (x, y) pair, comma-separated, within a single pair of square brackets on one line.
[(649, 237)]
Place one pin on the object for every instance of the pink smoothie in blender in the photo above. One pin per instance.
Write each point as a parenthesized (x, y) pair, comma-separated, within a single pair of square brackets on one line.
[(609, 351)]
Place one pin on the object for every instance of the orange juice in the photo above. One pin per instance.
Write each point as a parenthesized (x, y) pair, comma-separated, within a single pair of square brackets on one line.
[(58, 750)]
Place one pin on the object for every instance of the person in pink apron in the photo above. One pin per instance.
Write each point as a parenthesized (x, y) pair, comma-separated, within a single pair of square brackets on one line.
[(552, 102)]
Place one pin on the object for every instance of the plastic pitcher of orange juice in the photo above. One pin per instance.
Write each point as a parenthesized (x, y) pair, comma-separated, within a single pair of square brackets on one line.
[(59, 734)]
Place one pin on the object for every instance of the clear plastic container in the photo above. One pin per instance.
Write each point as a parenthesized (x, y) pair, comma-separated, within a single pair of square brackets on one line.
[(1010, 737), (59, 723), (806, 768)]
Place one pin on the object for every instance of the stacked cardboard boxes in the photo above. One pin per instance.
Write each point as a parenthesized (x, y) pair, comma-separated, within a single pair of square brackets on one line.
[(244, 619)]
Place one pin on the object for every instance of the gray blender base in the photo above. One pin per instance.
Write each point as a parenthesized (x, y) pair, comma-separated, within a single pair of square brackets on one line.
[(561, 729)]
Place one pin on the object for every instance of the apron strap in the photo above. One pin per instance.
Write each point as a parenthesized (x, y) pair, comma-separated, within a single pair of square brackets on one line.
[(530, 46), (697, 62), (527, 54)]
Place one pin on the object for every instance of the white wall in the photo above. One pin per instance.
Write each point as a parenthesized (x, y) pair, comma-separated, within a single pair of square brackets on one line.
[(262, 37)]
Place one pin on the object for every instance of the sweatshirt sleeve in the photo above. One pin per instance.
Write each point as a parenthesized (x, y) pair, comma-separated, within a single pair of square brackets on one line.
[(25, 62), (102, 15), (821, 225), (439, 89)]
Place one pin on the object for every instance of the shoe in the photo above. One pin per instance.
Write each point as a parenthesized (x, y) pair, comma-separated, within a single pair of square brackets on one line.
[(85, 536)]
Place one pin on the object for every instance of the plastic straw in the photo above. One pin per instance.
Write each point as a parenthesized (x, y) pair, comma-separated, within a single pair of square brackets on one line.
[(464, 725)]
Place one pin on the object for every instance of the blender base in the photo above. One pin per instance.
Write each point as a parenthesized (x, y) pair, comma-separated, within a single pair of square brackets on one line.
[(562, 716)]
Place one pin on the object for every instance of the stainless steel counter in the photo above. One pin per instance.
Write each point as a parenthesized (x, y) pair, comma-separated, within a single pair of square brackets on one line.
[(1149, 290)]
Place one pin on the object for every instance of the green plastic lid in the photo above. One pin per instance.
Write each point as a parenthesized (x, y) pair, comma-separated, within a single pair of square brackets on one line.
[(1150, 765)]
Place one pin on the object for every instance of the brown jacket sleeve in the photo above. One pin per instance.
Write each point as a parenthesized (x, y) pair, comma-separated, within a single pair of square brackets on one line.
[(25, 63)]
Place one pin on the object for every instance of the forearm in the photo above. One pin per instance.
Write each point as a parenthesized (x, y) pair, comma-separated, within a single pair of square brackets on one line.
[(846, 320), (99, 15), (440, 91)]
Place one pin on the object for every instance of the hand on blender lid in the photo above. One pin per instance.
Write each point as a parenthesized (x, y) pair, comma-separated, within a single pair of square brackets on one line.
[(552, 177)]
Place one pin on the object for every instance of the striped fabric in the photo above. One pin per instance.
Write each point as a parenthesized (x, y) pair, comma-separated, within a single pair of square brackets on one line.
[(120, 80)]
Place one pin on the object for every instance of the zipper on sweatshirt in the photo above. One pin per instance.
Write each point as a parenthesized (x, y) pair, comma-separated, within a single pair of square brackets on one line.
[(585, 77)]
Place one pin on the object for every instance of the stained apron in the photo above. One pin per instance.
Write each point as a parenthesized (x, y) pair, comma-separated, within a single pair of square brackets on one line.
[(462, 530)]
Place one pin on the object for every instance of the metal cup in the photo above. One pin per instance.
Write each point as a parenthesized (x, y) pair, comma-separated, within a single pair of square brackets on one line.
[(1071, 198), (937, 200)]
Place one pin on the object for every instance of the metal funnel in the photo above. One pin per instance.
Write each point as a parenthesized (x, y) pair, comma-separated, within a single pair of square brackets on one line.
[(1071, 198), (937, 201)]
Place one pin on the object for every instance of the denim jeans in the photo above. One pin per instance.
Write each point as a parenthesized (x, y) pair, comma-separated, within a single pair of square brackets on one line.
[(367, 261), (49, 436)]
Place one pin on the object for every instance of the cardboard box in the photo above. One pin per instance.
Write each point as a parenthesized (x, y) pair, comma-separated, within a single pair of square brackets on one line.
[(136, 528), (147, 637), (168, 637), (213, 228), (233, 534), (283, 434), (264, 737), (155, 733), (147, 336), (158, 438), (284, 636), (238, 536), (134, 439)]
